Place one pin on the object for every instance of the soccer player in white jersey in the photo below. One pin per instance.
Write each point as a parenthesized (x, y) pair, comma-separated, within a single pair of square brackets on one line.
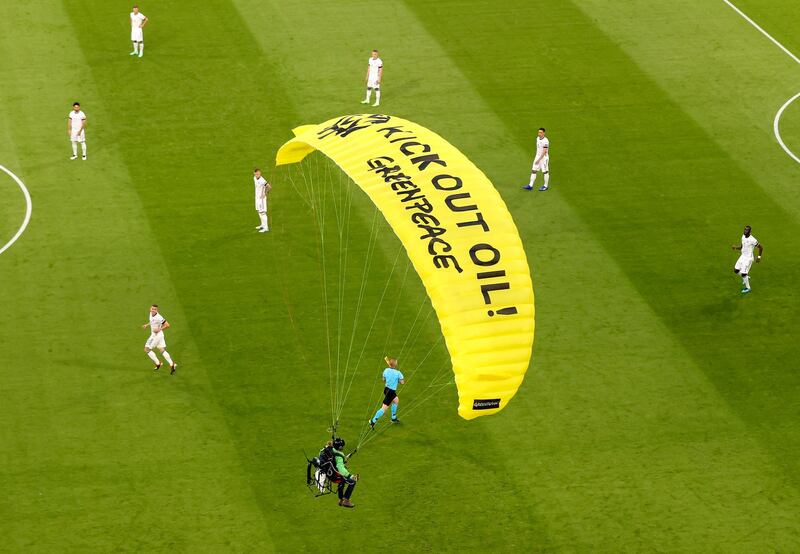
[(374, 78), (742, 267), (157, 325), (541, 162), (262, 189), (76, 129), (138, 21)]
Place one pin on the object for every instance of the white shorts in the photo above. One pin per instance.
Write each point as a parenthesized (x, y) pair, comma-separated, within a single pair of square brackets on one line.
[(137, 35), (372, 82), (543, 165), (81, 137), (261, 205), (156, 341), (320, 478), (743, 264)]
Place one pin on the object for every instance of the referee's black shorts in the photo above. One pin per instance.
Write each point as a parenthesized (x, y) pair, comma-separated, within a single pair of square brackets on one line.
[(389, 395)]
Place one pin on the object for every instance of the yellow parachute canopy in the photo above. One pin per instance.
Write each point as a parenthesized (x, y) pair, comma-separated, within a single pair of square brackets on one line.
[(459, 236)]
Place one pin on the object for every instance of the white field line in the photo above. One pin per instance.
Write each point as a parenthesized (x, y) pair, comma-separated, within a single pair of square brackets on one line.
[(776, 123), (776, 127), (28, 209), (763, 32)]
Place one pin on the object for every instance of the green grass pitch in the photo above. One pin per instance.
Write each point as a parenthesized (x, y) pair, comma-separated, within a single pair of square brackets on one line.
[(660, 411)]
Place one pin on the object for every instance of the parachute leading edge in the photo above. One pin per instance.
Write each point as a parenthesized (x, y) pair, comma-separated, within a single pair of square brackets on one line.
[(459, 236)]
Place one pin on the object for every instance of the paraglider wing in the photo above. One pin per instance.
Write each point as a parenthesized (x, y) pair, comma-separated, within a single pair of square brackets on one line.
[(459, 236)]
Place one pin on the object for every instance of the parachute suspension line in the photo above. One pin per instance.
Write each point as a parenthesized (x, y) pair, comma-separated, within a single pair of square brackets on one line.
[(371, 326), (365, 432), (350, 372), (311, 199), (435, 384), (329, 186), (310, 191), (341, 200), (365, 429), (418, 333), (341, 203), (442, 378), (413, 325), (296, 188), (343, 226), (419, 365), (396, 304), (373, 236), (319, 216), (412, 406), (328, 182), (370, 399)]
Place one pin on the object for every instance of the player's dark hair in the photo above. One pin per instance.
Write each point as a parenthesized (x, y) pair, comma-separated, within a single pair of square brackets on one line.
[(375, 50), (255, 169), (154, 305), (542, 129), (76, 103)]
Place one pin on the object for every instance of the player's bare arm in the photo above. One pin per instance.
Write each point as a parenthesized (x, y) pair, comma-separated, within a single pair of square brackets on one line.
[(267, 188), (737, 246), (144, 22), (164, 325), (366, 78), (69, 127), (380, 74), (760, 252)]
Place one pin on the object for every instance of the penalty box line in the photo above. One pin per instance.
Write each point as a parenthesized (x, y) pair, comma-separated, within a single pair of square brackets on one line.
[(763, 32), (777, 121)]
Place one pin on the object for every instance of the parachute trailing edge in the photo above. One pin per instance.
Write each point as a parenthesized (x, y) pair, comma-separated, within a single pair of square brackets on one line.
[(459, 236)]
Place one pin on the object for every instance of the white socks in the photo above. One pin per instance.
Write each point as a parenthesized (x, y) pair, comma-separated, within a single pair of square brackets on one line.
[(141, 49), (263, 220), (135, 47), (746, 281), (533, 179), (75, 149), (167, 357), (377, 96), (369, 94), (83, 147)]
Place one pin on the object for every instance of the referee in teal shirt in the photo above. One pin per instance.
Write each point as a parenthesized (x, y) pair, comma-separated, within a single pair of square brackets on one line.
[(393, 378)]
